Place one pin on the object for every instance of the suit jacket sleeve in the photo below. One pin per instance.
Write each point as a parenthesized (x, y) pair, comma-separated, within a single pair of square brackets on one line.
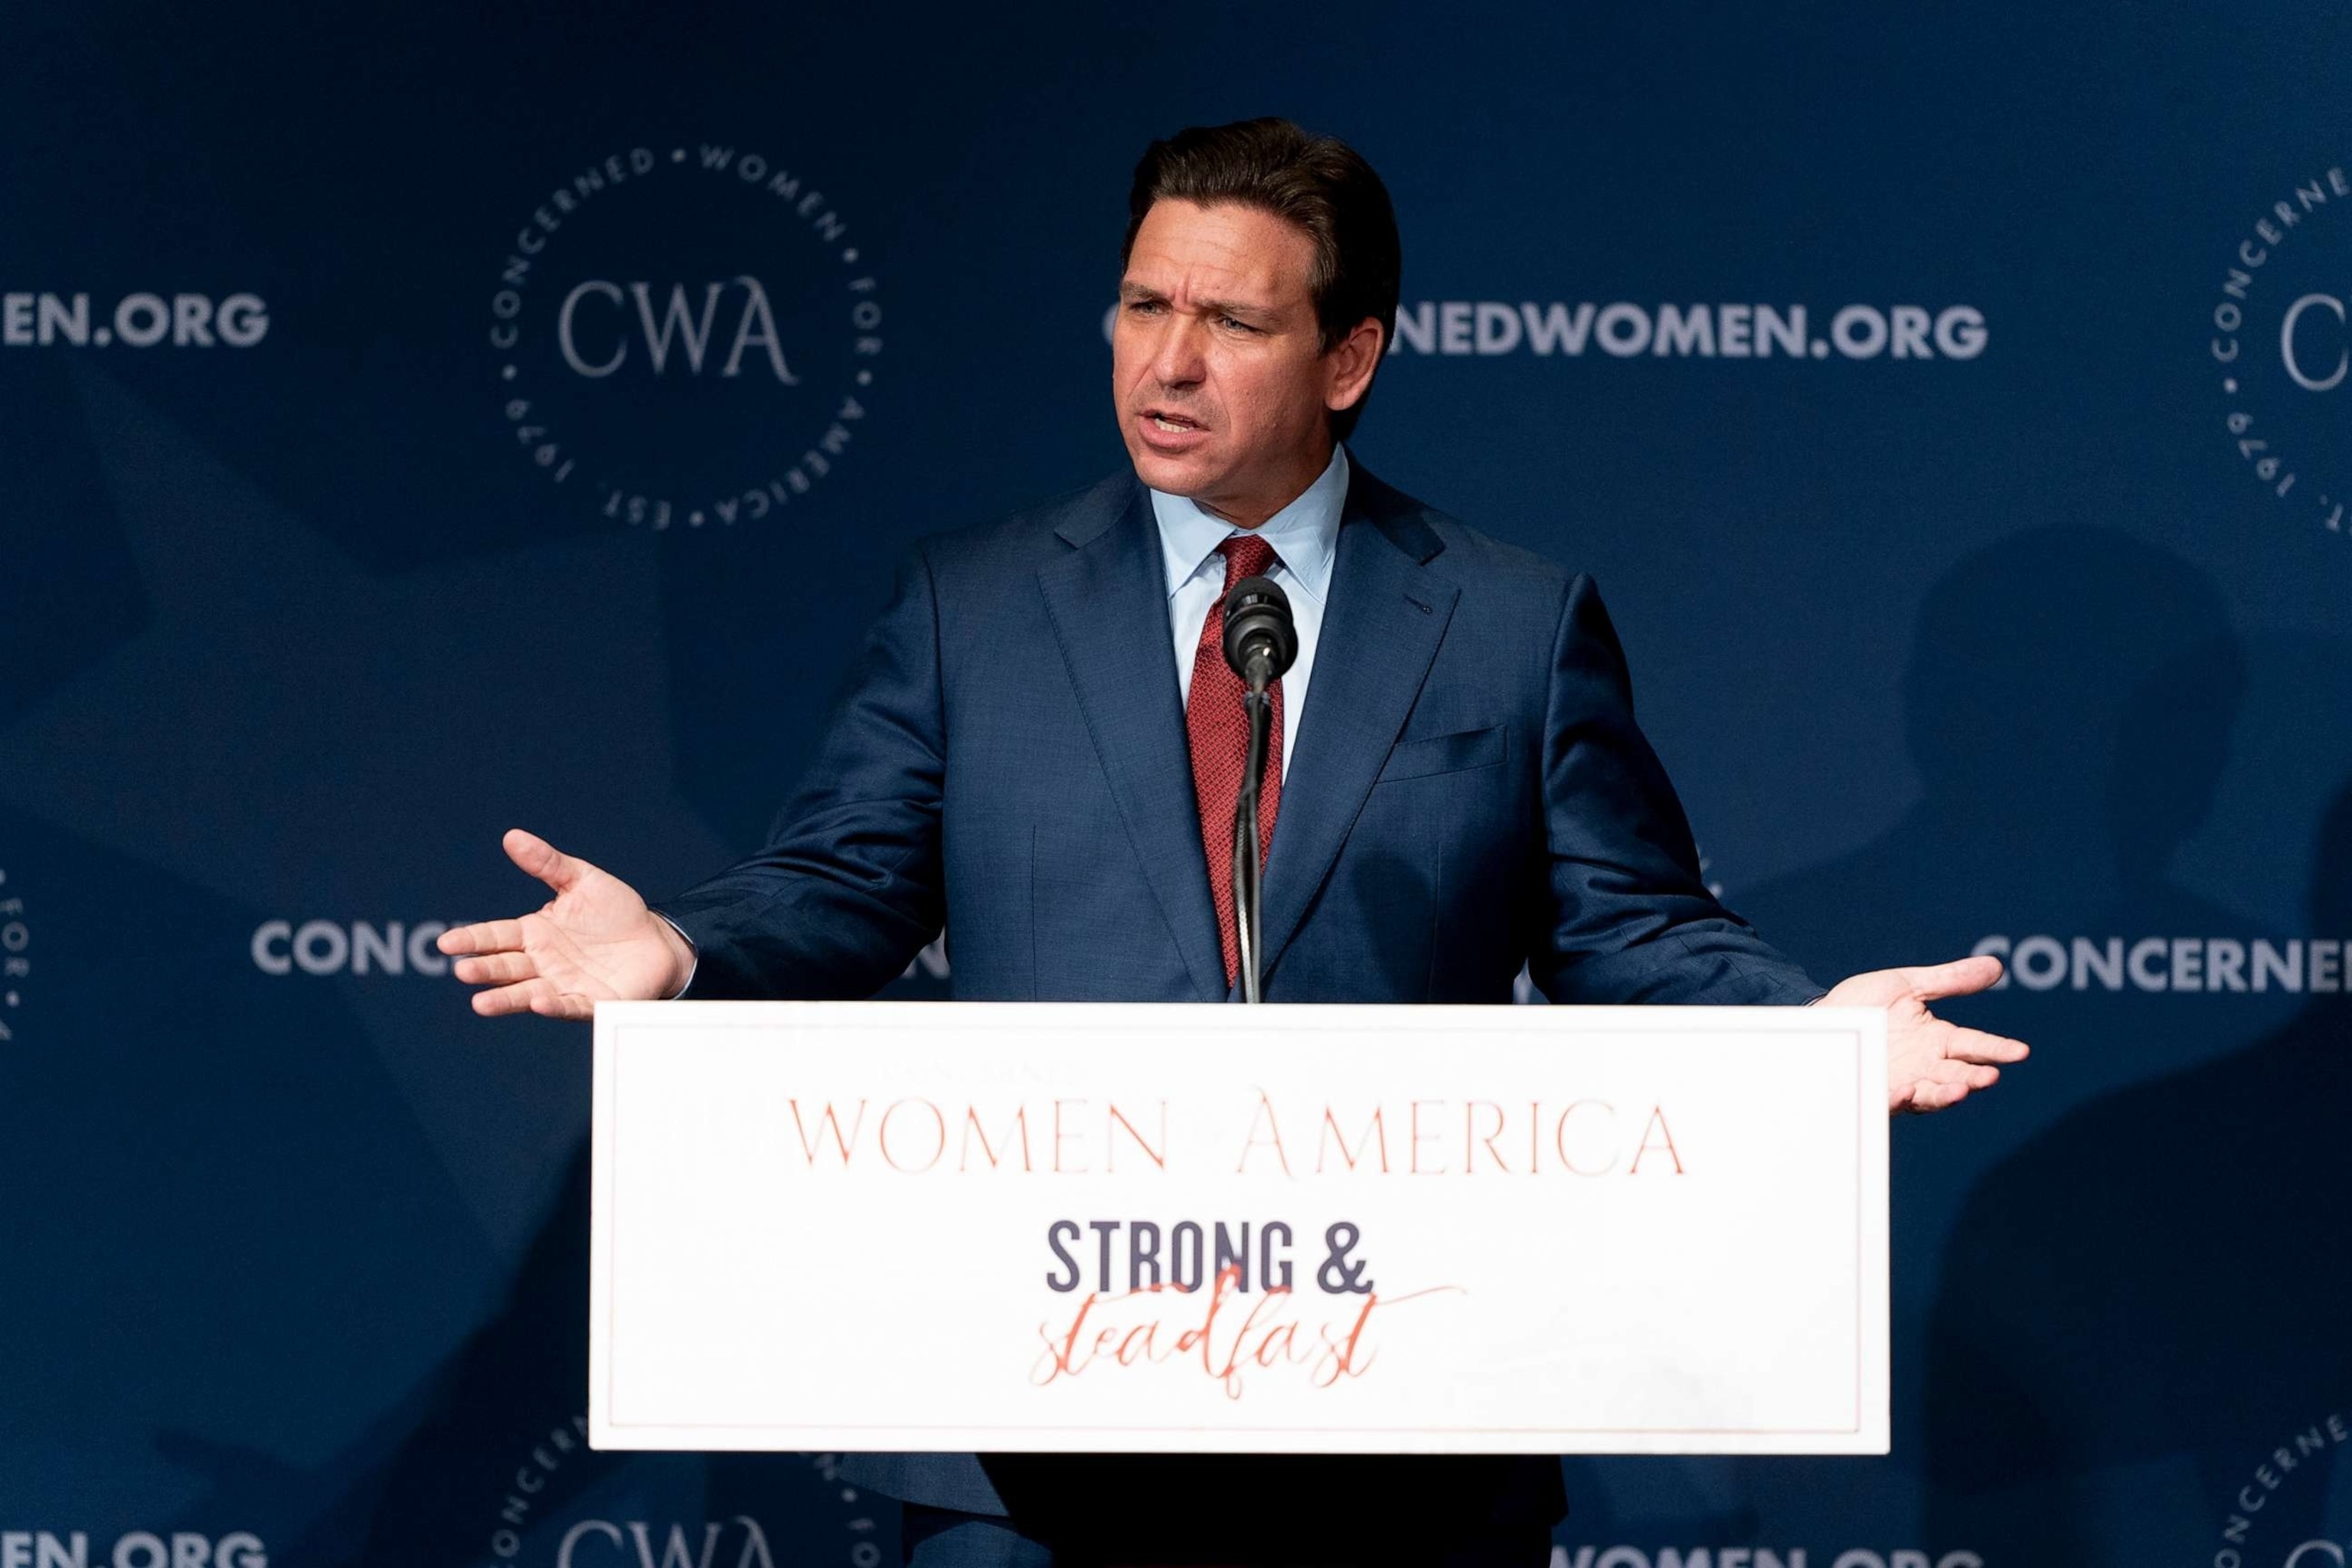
[(1626, 916), (849, 886)]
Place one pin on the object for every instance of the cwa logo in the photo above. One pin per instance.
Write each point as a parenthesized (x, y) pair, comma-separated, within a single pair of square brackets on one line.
[(685, 338), (609, 1543), (672, 1533), (2280, 331), (139, 320), (15, 961)]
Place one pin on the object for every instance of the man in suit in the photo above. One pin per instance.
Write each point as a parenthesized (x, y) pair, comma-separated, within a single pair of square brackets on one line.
[(1039, 750)]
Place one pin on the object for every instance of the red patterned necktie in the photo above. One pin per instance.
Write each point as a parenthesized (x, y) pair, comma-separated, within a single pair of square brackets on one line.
[(1218, 728)]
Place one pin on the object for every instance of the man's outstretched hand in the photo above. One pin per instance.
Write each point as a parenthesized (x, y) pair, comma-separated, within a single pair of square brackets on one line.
[(593, 942), (1930, 1063)]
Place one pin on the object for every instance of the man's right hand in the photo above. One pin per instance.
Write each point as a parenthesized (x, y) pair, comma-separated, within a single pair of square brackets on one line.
[(593, 942)]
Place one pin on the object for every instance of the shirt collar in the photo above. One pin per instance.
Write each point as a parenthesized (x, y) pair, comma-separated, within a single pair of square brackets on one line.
[(1305, 534)]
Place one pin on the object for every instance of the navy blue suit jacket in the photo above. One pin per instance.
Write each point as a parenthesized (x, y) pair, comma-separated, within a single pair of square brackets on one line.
[(1468, 791)]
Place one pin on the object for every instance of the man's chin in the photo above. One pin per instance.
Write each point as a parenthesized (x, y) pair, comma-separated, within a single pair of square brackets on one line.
[(1188, 474)]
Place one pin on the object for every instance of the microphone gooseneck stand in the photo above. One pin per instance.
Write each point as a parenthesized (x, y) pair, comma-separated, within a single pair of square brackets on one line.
[(1261, 642), (1247, 868)]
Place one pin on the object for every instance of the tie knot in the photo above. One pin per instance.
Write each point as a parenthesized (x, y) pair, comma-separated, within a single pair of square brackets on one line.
[(1246, 555)]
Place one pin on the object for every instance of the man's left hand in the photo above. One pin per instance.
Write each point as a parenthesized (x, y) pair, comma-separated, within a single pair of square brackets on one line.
[(1930, 1063)]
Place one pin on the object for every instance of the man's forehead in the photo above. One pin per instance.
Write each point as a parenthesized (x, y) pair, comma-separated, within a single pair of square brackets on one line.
[(1227, 251)]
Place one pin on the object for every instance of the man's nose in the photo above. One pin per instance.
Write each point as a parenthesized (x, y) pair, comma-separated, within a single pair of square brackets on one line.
[(1179, 361)]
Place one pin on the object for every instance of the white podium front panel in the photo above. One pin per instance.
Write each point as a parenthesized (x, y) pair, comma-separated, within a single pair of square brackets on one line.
[(995, 1226)]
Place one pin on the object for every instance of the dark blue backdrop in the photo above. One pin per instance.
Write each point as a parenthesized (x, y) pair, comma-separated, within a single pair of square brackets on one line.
[(2003, 601)]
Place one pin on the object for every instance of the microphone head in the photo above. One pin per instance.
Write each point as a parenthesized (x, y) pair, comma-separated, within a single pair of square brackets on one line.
[(1258, 626)]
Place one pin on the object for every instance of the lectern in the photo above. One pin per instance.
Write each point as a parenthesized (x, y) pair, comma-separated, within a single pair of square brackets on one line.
[(1018, 1227)]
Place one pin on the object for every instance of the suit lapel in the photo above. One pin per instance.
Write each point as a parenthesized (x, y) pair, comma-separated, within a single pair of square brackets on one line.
[(1384, 620), (1108, 601)]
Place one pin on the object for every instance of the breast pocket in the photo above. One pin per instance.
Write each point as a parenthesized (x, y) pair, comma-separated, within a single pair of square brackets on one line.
[(1454, 754)]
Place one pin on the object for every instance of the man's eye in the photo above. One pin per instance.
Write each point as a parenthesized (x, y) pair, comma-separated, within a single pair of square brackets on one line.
[(1142, 307), (1237, 325)]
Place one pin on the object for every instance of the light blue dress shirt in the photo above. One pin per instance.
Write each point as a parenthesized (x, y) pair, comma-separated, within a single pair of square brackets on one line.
[(1306, 537)]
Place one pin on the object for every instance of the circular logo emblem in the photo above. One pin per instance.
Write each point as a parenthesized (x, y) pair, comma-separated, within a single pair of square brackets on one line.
[(2280, 331), (566, 1506), (15, 963), (2295, 1509), (685, 336)]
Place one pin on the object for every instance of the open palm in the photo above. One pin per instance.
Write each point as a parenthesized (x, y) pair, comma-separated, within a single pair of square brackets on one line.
[(1930, 1063), (593, 942)]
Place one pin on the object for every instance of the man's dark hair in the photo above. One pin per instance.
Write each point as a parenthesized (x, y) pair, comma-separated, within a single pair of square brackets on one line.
[(1317, 182)]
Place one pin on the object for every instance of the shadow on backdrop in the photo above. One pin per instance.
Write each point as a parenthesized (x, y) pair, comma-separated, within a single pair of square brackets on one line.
[(487, 1461), (494, 1465), (2069, 705), (2145, 1321)]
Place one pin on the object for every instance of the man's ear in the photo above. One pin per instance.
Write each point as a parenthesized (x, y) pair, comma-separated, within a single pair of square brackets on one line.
[(1348, 365)]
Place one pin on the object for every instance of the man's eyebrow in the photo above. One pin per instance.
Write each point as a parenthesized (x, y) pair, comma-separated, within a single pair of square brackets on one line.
[(1133, 292)]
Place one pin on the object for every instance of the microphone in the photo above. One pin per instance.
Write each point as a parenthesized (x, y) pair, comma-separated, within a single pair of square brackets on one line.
[(1261, 639), (1261, 642)]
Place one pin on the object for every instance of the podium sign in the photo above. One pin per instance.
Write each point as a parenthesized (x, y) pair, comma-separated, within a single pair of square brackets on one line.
[(1015, 1227)]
